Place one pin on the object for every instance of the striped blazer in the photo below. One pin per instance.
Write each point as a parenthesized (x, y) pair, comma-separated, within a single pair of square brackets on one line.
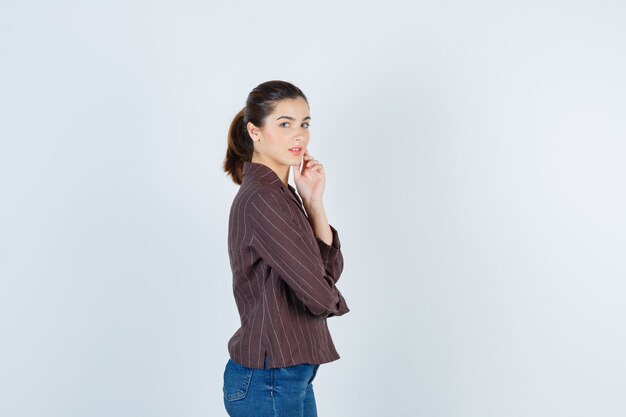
[(283, 276)]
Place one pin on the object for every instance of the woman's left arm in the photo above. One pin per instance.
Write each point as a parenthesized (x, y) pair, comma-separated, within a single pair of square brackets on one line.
[(317, 217), (327, 238), (310, 179)]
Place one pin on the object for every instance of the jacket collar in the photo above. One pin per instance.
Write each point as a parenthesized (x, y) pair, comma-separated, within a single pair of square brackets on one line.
[(266, 175), (262, 173)]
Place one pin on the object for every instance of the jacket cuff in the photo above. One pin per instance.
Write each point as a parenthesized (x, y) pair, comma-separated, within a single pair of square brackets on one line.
[(326, 249), (342, 307), (332, 258)]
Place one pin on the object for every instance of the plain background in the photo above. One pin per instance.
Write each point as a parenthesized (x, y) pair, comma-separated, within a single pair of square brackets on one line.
[(475, 157)]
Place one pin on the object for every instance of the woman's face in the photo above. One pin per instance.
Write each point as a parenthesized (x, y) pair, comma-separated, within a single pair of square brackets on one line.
[(287, 127)]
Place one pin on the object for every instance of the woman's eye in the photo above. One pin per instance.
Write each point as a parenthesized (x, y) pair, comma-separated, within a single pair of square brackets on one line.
[(286, 123)]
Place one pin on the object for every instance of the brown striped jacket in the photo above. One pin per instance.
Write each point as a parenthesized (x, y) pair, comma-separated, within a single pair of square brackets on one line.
[(283, 276)]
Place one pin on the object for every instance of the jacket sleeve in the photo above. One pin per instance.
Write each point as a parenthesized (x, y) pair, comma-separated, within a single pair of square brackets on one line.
[(331, 255), (307, 264)]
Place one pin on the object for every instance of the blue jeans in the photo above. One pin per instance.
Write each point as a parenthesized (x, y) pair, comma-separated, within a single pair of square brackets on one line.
[(274, 392)]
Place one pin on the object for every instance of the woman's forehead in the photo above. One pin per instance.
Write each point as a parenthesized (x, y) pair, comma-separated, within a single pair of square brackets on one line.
[(292, 107)]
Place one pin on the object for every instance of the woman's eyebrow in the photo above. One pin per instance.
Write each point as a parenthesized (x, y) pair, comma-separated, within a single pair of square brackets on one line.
[(293, 118)]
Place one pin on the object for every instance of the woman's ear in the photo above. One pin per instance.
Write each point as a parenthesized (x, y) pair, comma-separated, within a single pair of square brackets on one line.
[(253, 131)]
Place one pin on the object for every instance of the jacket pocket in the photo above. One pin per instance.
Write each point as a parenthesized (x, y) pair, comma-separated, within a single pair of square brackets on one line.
[(236, 381)]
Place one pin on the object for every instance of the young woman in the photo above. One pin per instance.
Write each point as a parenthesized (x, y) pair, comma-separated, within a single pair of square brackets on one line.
[(285, 258)]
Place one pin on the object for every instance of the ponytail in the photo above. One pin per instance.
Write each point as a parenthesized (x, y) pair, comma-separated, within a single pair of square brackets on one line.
[(239, 149)]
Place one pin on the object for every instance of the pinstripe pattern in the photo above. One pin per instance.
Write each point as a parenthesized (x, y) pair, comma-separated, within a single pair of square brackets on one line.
[(283, 276)]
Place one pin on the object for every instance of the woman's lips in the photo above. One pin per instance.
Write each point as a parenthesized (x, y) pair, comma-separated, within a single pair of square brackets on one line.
[(296, 151)]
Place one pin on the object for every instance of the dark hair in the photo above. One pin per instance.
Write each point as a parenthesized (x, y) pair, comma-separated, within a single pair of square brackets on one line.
[(261, 103)]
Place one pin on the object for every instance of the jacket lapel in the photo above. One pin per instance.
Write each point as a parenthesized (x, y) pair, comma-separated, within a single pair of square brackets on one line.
[(292, 194)]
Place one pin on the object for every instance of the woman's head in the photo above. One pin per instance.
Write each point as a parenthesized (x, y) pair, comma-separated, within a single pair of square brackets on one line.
[(259, 129)]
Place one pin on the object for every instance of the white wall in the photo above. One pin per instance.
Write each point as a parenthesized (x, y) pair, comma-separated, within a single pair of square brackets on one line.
[(475, 161)]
